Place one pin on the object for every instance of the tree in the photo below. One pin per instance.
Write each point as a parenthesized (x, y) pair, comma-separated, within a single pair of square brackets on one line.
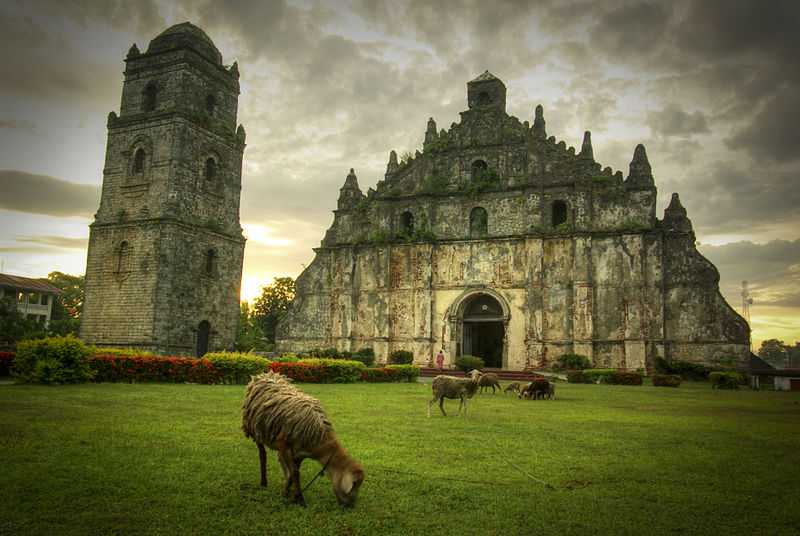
[(271, 306), (66, 312), (249, 335), (14, 326), (773, 352)]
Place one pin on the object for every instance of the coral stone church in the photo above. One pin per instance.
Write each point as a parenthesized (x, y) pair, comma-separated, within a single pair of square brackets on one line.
[(495, 240)]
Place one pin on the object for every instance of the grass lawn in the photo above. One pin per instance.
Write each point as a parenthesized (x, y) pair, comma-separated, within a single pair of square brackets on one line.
[(166, 459)]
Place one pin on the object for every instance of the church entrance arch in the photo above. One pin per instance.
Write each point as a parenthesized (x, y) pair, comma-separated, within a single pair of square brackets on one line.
[(479, 325)]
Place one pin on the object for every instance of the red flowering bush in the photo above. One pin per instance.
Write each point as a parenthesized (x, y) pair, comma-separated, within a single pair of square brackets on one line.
[(6, 360), (117, 368), (320, 370)]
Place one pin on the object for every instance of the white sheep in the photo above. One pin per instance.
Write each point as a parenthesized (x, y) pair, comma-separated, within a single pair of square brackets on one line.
[(277, 415)]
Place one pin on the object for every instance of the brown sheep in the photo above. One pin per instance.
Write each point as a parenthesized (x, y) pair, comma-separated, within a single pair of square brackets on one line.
[(486, 380), (535, 389), (277, 415), (452, 387), (512, 388)]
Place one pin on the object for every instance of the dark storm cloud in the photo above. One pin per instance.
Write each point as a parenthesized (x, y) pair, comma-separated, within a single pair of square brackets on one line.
[(772, 270), (40, 194), (773, 133), (674, 121), (631, 29), (61, 242)]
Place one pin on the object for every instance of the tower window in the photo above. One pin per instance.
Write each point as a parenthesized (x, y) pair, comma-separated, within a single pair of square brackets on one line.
[(138, 161), (407, 223), (559, 213), (478, 222), (211, 170), (479, 169), (123, 257), (211, 105), (211, 262), (149, 98)]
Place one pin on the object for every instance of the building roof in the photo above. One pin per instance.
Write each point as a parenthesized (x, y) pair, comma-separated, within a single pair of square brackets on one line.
[(186, 35), (485, 77), (28, 283)]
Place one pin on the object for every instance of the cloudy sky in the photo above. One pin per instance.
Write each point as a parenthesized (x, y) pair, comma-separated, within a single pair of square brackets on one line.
[(712, 88)]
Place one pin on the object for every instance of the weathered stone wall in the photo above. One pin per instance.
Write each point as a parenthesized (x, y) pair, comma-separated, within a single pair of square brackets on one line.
[(181, 262)]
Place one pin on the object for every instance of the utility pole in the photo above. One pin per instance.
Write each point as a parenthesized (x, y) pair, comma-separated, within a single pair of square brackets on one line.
[(747, 301)]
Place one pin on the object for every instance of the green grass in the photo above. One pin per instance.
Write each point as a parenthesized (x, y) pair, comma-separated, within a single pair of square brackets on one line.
[(167, 459)]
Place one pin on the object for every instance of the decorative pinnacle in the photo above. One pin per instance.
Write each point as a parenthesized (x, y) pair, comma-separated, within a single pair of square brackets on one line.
[(133, 51), (351, 182), (392, 166), (430, 132), (586, 148), (234, 70), (640, 175), (538, 123), (675, 205), (675, 216)]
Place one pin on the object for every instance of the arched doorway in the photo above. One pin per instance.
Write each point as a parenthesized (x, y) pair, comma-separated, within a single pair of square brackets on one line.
[(203, 332), (483, 329)]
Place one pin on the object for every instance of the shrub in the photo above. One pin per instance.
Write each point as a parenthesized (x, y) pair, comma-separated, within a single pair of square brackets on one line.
[(6, 361), (320, 370), (685, 369), (146, 368), (574, 362), (409, 373), (577, 376), (99, 350), (725, 380), (469, 362), (620, 377), (606, 375), (380, 375), (52, 360), (598, 375), (236, 367), (366, 356), (285, 358), (666, 380), (325, 353), (401, 357)]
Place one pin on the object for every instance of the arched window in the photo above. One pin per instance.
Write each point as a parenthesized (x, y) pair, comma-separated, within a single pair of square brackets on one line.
[(211, 262), (123, 257), (484, 98), (407, 223), (211, 170), (478, 222), (149, 97), (559, 213), (211, 105), (138, 161), (479, 169)]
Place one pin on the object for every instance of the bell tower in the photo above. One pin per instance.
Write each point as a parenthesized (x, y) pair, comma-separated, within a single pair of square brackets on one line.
[(164, 265)]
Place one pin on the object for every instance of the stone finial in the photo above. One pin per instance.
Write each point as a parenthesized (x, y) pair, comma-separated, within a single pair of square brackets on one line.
[(234, 70), (112, 116), (133, 52), (392, 166), (675, 218), (430, 132), (587, 153), (640, 175), (241, 135), (350, 193), (539, 131)]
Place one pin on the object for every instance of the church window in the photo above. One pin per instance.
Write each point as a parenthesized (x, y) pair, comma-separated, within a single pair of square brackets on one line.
[(478, 222), (123, 257), (407, 223), (138, 161), (559, 213), (211, 105), (149, 97), (484, 98), (211, 170), (211, 262), (479, 169)]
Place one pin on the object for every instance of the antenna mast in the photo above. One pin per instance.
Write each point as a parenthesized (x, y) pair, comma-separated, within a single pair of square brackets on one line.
[(747, 301)]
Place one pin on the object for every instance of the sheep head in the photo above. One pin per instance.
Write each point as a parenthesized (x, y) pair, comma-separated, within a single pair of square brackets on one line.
[(346, 484)]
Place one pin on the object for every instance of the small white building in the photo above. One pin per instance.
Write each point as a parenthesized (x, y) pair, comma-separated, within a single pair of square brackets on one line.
[(33, 298)]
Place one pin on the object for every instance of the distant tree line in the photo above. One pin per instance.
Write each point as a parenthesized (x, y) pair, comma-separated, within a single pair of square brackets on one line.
[(257, 321), (780, 355)]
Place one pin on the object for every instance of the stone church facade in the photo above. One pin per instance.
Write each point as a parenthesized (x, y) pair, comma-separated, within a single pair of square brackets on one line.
[(498, 241), (165, 254)]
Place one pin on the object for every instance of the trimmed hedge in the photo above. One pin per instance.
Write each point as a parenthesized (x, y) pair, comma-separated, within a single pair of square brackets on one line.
[(725, 380), (6, 362), (573, 362), (684, 369), (608, 376), (236, 367), (52, 360), (366, 356), (131, 352), (116, 368), (469, 362), (409, 373), (666, 380), (391, 373), (320, 370), (401, 357)]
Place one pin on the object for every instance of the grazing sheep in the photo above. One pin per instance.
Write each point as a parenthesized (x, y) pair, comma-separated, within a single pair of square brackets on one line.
[(551, 391), (486, 380), (511, 388), (535, 389), (452, 387), (277, 415)]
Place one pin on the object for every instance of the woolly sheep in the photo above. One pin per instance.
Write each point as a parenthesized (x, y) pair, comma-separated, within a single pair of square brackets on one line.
[(452, 387), (486, 380), (512, 388), (277, 415)]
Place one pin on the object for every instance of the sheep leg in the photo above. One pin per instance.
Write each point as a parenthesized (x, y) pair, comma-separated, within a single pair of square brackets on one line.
[(287, 477), (262, 457), (430, 403), (298, 490), (464, 402), (441, 406)]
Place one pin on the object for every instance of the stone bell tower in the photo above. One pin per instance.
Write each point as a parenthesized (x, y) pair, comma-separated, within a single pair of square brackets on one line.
[(164, 265)]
